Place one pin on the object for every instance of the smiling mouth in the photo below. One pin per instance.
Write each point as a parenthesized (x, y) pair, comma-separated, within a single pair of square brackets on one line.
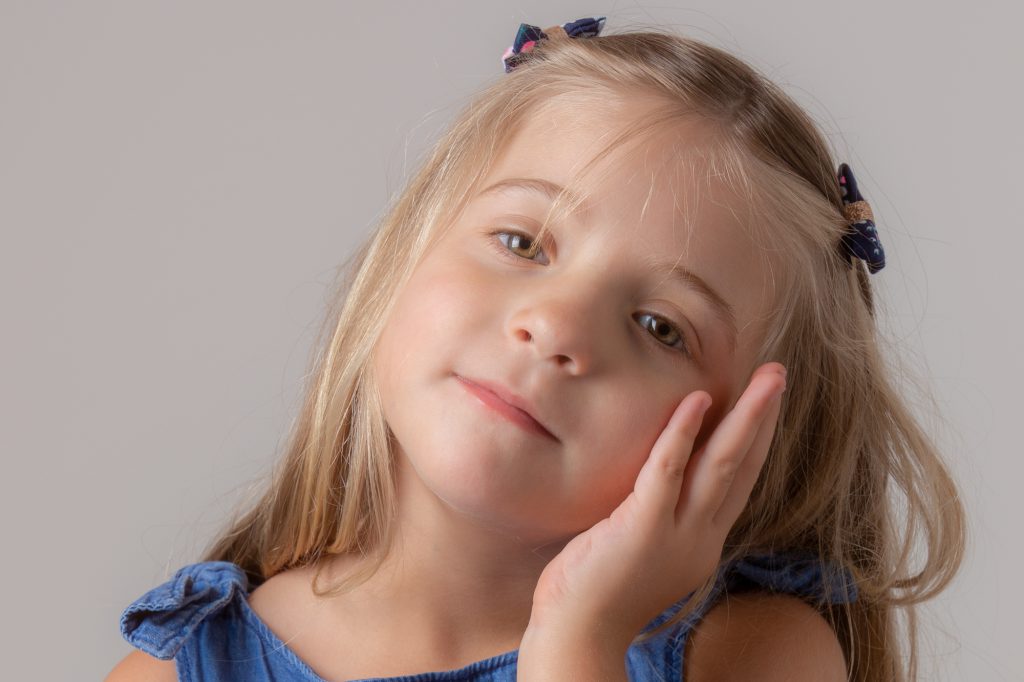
[(511, 413)]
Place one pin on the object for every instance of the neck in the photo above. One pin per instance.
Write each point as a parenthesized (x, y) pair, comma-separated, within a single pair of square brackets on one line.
[(453, 587)]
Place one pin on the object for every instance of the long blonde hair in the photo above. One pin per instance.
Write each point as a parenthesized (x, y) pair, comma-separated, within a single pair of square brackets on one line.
[(848, 455)]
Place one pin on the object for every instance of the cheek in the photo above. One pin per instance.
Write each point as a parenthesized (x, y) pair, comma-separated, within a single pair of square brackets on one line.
[(437, 326), (632, 425), (432, 312), (635, 421)]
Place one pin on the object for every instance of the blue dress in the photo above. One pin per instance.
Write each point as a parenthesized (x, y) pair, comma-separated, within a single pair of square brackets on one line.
[(201, 618)]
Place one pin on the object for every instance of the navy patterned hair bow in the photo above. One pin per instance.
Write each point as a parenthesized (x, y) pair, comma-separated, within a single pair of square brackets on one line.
[(528, 36), (862, 242)]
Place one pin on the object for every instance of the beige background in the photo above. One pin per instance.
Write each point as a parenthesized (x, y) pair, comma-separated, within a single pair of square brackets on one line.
[(178, 181)]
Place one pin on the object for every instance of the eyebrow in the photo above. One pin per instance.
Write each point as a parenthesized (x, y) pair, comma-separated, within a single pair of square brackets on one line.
[(680, 273), (549, 189), (691, 280)]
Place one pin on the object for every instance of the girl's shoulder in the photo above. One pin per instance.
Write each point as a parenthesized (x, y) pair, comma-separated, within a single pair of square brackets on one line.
[(198, 625), (141, 667), (285, 600), (780, 636), (755, 602)]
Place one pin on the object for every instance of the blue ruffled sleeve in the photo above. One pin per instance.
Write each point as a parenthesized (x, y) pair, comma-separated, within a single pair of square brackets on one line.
[(160, 621), (802, 574)]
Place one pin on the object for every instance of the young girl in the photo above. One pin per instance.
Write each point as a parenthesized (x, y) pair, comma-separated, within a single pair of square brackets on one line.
[(603, 401)]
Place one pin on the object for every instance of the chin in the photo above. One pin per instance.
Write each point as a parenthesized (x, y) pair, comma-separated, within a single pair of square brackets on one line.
[(482, 485)]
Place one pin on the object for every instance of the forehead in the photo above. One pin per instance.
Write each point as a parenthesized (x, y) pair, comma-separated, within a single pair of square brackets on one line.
[(661, 178), (661, 196)]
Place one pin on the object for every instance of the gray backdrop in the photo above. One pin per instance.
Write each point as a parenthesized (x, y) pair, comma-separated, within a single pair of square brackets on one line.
[(179, 180)]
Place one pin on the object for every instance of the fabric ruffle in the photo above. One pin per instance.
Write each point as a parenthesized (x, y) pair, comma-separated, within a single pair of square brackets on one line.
[(801, 574), (162, 619)]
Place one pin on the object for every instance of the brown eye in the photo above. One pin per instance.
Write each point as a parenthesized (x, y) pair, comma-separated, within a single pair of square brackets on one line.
[(664, 332), (518, 241)]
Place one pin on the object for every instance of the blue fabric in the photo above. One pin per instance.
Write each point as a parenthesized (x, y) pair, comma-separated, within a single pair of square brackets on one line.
[(201, 618)]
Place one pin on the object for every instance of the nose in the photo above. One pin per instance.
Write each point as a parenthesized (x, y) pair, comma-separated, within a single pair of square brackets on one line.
[(562, 328)]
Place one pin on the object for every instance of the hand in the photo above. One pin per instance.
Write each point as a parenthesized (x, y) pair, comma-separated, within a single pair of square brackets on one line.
[(666, 538)]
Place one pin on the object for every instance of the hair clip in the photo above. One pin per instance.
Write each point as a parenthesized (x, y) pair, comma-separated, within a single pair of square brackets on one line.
[(528, 36), (862, 241)]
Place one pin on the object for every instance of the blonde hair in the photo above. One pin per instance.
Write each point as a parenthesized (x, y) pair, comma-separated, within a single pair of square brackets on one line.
[(848, 455)]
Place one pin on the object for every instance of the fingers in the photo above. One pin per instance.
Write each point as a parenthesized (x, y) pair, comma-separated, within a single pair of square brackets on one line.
[(724, 472), (658, 483), (746, 476)]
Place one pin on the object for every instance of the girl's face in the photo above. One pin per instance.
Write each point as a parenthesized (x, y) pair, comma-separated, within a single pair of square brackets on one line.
[(600, 342)]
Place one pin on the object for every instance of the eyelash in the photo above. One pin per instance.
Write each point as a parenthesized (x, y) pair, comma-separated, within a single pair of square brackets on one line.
[(503, 251)]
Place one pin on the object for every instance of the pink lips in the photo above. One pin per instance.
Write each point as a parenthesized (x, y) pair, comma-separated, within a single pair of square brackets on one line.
[(501, 401)]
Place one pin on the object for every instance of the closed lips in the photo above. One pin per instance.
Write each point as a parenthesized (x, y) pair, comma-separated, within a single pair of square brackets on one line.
[(510, 399)]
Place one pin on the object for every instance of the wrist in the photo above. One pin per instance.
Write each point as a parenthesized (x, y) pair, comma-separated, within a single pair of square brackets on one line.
[(551, 633), (556, 654)]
